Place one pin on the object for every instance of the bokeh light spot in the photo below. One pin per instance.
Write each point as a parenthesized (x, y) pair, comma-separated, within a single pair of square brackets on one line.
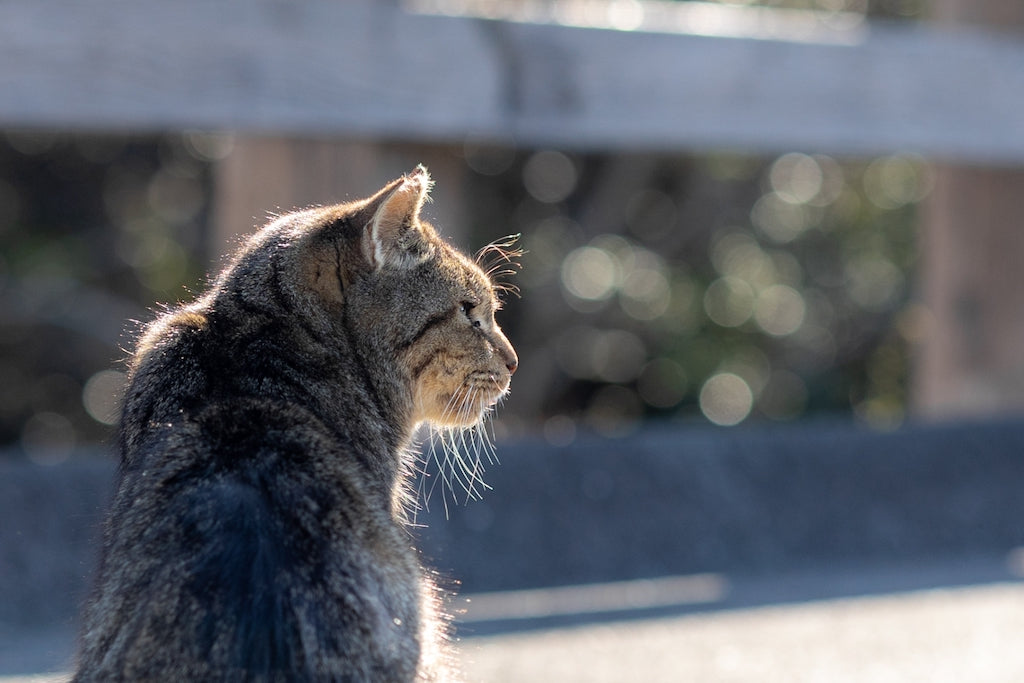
[(729, 301), (739, 255), (618, 356), (102, 395), (779, 220), (590, 273), (780, 310), (873, 282), (833, 181), (796, 178), (662, 383), (749, 363), (560, 430), (549, 176), (892, 182), (726, 399), (208, 146), (786, 268), (488, 158), (646, 292), (818, 345)]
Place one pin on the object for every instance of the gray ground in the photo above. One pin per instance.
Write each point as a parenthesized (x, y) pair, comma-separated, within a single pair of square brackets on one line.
[(968, 634), (819, 552)]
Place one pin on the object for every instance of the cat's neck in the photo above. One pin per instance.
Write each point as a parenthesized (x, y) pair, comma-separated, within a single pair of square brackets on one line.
[(345, 386)]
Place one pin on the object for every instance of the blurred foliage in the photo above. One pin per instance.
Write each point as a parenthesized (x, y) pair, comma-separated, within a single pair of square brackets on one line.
[(93, 231), (722, 286), (716, 287)]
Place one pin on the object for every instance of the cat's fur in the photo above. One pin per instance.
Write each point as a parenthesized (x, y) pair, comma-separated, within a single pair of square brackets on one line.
[(257, 531)]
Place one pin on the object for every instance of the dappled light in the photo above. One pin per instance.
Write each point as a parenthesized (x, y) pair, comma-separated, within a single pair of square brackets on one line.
[(102, 394), (894, 181), (779, 310), (726, 399), (591, 273), (729, 301), (719, 288), (549, 176), (95, 230)]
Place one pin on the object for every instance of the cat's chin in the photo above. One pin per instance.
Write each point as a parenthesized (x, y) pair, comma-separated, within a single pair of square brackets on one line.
[(469, 415), (466, 407), (463, 421)]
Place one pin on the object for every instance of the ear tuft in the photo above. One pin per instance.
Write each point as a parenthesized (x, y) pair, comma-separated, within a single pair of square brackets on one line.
[(393, 236)]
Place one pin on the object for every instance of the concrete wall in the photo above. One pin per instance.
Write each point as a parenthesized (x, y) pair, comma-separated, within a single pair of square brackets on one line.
[(662, 502), (680, 501)]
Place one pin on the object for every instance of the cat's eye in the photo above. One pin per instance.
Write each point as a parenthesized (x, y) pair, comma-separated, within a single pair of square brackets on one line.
[(467, 308)]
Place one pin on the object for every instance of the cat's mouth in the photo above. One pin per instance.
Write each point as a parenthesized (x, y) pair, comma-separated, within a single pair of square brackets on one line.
[(480, 393)]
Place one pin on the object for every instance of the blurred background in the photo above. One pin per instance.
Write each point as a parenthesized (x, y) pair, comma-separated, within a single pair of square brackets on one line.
[(722, 286), (728, 283), (717, 287), (737, 216)]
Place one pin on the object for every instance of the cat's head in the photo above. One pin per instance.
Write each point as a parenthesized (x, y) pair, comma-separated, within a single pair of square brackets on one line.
[(408, 292)]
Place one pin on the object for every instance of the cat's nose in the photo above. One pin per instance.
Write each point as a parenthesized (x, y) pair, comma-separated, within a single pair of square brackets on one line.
[(507, 353)]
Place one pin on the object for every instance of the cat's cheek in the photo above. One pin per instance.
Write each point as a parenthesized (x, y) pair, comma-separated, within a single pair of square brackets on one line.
[(430, 401)]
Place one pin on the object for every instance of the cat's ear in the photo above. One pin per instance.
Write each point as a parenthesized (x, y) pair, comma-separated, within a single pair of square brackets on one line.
[(394, 237)]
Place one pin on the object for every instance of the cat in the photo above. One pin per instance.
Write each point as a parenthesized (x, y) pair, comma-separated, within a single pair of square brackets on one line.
[(258, 529)]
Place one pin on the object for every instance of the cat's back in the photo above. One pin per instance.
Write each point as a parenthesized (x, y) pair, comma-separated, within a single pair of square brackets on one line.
[(268, 566)]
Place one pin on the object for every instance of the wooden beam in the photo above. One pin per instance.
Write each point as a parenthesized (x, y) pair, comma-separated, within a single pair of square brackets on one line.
[(365, 68), (970, 361)]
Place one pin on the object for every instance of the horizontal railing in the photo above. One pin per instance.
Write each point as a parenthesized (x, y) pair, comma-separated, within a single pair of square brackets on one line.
[(758, 81)]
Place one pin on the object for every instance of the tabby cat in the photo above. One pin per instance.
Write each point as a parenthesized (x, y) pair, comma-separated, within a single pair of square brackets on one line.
[(258, 530)]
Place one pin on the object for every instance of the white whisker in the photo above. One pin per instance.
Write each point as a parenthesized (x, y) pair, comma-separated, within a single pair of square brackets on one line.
[(460, 454)]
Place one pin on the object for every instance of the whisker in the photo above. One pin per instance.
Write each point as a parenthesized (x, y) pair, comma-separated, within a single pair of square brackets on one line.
[(460, 454), (498, 260)]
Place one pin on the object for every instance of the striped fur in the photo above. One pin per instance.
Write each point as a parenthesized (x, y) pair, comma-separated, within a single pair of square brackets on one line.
[(257, 532)]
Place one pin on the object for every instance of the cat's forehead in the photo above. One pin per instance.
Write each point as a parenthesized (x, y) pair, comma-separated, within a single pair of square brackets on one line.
[(469, 275)]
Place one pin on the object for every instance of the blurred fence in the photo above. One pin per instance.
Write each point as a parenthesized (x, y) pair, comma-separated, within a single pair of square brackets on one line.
[(601, 75), (693, 76)]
